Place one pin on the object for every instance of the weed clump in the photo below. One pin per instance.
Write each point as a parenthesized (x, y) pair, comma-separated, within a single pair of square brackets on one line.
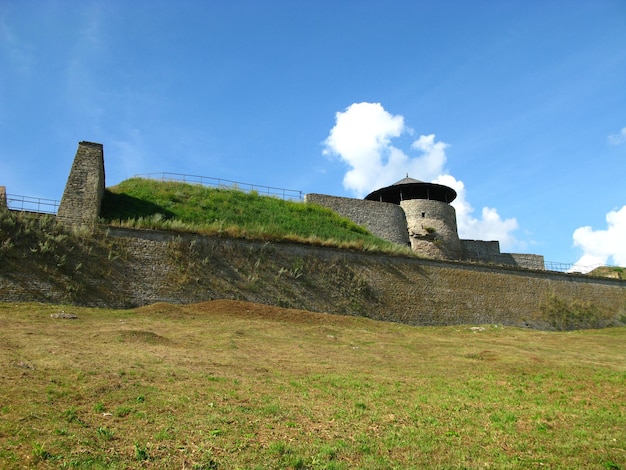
[(568, 316)]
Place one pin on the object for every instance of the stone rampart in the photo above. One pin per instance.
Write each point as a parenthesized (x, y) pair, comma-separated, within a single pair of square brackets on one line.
[(480, 251), (386, 221), (391, 288), (84, 189), (151, 266), (528, 261), (3, 197)]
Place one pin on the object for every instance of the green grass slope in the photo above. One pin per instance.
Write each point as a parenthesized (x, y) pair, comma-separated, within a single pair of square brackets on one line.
[(144, 203)]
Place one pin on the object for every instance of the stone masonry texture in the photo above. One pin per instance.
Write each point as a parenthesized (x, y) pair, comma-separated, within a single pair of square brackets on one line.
[(85, 185), (386, 221), (152, 266)]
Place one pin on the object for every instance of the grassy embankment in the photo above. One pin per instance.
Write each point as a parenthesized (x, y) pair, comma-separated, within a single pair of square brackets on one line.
[(226, 385), (144, 203)]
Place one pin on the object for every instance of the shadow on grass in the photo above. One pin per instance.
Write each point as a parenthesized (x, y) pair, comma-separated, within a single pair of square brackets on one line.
[(122, 207)]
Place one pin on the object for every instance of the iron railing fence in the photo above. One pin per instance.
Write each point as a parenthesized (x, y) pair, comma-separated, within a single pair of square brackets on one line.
[(281, 193), (558, 266), (32, 204), (573, 267)]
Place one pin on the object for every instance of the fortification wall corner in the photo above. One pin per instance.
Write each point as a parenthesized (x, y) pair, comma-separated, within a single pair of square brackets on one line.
[(384, 220), (3, 197), (84, 190)]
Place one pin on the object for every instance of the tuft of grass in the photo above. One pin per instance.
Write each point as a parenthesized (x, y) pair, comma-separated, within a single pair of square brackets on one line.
[(104, 433), (151, 204), (141, 452), (40, 453)]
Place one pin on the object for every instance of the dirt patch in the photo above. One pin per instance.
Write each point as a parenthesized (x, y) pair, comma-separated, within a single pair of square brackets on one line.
[(138, 336), (163, 310), (243, 309)]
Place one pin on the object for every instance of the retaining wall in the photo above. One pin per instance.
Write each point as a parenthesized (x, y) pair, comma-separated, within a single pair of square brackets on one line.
[(391, 288), (145, 267)]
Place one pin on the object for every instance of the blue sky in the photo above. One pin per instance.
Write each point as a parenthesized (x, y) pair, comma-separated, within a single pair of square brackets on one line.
[(519, 105)]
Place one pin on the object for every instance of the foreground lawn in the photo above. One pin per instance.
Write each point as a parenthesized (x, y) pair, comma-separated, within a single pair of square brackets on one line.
[(224, 385)]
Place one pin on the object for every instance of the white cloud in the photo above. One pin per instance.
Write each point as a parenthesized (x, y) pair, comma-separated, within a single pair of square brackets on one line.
[(489, 227), (601, 246), (362, 138), (619, 138)]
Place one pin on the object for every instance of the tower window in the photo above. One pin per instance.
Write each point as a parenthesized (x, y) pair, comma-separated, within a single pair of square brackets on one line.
[(423, 214)]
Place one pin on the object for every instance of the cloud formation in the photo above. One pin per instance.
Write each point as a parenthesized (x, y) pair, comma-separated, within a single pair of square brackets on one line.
[(619, 138), (362, 138), (601, 247)]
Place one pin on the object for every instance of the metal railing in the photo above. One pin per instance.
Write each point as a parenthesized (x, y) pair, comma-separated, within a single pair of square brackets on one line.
[(573, 267), (282, 193), (32, 204), (558, 266)]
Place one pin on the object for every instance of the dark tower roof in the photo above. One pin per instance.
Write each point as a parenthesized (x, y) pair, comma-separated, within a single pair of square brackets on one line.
[(409, 188)]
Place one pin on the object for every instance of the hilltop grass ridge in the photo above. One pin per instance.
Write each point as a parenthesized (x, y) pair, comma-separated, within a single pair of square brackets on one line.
[(229, 384), (176, 206)]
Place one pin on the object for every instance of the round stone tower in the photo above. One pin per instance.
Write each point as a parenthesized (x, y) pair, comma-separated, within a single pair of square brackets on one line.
[(431, 220)]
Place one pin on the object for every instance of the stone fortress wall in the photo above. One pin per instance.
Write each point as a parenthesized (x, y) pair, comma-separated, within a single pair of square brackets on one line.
[(429, 227), (393, 288), (179, 268), (386, 221)]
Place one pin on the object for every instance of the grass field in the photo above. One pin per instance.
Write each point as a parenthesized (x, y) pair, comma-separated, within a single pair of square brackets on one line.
[(227, 385)]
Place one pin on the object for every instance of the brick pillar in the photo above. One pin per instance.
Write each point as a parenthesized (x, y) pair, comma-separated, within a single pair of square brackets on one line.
[(84, 190)]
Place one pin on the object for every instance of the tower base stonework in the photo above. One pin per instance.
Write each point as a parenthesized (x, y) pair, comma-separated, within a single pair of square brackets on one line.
[(80, 205), (432, 228)]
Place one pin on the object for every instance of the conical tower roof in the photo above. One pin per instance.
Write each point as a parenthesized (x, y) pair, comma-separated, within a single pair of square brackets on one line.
[(410, 188), (407, 180)]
